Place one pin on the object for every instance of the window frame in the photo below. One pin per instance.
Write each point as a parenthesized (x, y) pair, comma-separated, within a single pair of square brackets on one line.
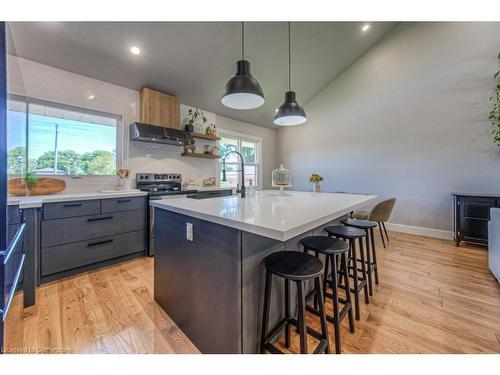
[(241, 137), (119, 128)]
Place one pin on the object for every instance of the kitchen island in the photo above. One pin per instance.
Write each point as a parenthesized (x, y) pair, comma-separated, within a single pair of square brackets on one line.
[(208, 273)]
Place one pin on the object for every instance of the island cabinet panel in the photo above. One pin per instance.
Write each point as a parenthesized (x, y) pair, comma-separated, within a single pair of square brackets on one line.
[(198, 282)]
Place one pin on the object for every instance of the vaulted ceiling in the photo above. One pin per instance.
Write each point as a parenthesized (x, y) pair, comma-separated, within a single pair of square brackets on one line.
[(193, 60)]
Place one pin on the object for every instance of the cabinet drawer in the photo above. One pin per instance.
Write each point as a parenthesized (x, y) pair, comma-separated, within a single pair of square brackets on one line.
[(123, 204), (61, 210), (70, 256), (61, 231)]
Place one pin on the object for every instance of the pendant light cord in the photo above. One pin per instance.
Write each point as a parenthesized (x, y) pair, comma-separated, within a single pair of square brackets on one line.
[(289, 58), (243, 40)]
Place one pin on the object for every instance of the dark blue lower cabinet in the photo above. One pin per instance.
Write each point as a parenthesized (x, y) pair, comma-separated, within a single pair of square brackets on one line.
[(212, 287), (198, 282)]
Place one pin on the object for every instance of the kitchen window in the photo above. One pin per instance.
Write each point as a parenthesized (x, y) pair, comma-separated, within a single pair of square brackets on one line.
[(250, 148), (55, 139)]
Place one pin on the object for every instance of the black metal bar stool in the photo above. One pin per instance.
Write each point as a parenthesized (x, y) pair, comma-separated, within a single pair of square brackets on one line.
[(371, 252), (334, 249), (298, 267), (360, 282)]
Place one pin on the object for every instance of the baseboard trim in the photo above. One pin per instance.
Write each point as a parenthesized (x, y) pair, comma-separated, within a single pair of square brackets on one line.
[(420, 231)]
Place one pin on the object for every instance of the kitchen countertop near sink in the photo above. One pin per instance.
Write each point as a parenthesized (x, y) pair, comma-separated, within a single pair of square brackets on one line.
[(39, 200)]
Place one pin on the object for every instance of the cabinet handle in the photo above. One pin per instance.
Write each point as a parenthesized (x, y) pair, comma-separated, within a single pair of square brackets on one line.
[(100, 218), (99, 242), (124, 200), (73, 205)]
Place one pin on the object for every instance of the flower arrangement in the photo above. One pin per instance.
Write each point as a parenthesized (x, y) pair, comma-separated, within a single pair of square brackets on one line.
[(315, 178)]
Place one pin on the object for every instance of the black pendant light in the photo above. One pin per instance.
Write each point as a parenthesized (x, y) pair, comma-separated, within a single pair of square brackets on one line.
[(290, 113), (243, 91)]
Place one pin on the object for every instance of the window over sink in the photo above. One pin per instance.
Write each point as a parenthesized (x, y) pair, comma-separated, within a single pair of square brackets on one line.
[(48, 138), (250, 148)]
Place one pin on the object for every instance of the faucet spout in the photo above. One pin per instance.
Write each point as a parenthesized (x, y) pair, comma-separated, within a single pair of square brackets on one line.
[(242, 189)]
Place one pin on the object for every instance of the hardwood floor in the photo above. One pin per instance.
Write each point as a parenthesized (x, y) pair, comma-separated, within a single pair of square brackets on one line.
[(108, 311), (432, 298)]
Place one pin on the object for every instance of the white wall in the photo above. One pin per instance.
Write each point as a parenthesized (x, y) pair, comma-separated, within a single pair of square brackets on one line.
[(29, 78), (408, 119)]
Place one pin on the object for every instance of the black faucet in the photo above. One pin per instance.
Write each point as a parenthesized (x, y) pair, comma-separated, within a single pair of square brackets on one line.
[(242, 190)]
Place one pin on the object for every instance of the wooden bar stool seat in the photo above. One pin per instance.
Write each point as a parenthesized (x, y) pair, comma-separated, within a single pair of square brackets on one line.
[(298, 267), (337, 253)]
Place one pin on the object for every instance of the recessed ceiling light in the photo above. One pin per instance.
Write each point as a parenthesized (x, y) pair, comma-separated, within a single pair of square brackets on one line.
[(89, 95), (365, 27), (135, 50)]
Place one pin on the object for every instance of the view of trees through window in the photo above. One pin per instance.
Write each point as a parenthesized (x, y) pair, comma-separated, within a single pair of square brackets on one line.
[(54, 140), (249, 151)]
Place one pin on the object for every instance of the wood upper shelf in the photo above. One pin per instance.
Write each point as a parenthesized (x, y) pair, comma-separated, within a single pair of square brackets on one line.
[(204, 136), (201, 156)]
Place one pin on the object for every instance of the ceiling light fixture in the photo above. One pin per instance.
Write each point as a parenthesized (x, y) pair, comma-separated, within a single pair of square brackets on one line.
[(243, 91), (365, 27), (290, 113), (135, 50)]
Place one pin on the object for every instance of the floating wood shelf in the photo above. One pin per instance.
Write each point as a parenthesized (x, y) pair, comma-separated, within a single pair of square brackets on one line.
[(204, 136), (201, 156)]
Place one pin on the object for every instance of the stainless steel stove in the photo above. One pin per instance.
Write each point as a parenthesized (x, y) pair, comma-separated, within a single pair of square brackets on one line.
[(159, 186)]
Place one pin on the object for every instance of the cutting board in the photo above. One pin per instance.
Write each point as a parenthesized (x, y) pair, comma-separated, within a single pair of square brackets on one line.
[(44, 186)]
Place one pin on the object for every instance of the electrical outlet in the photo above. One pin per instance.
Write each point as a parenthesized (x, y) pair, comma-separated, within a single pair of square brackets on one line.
[(189, 231)]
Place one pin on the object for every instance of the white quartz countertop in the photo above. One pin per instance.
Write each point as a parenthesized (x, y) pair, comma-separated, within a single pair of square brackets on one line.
[(269, 214), (38, 200)]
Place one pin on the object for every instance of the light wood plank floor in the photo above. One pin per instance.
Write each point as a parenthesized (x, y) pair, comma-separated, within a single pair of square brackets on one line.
[(108, 311), (432, 298)]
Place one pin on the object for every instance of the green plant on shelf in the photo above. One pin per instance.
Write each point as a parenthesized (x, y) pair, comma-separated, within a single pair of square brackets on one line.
[(192, 117)]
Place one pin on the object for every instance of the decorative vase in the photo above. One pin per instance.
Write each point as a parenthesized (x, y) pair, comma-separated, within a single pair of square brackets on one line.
[(316, 187)]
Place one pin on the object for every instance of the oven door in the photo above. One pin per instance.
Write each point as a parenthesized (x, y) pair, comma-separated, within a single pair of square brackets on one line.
[(151, 224)]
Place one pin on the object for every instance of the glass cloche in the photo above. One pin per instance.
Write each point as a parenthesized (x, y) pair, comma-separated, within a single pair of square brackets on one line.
[(282, 178)]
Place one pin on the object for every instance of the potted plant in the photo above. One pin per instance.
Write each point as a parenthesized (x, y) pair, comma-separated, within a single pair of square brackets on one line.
[(192, 117), (316, 179), (31, 181), (494, 114)]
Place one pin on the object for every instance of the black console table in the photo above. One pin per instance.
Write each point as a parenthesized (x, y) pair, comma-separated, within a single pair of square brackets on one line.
[(471, 213)]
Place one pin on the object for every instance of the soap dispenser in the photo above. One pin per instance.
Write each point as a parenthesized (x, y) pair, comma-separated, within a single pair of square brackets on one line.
[(250, 189)]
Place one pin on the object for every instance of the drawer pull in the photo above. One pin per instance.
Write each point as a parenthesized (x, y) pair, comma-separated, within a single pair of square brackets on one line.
[(99, 242), (124, 200), (100, 218), (73, 205)]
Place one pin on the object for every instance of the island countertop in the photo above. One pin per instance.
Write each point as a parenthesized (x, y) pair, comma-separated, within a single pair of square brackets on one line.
[(269, 214)]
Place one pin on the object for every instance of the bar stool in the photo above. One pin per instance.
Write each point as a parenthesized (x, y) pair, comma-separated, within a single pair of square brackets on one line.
[(368, 226), (298, 267), (360, 283), (333, 248)]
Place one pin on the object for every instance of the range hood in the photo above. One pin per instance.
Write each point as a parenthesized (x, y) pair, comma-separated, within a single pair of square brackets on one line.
[(157, 134)]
